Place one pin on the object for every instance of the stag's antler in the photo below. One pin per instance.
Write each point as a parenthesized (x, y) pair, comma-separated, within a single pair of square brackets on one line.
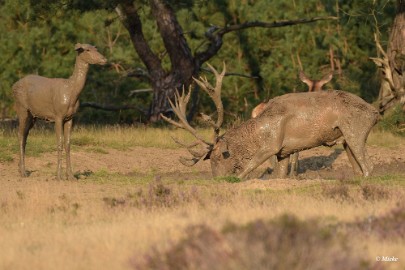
[(179, 108), (215, 94)]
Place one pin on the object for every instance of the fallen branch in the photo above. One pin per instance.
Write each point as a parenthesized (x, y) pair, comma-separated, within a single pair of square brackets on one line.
[(110, 107), (137, 91)]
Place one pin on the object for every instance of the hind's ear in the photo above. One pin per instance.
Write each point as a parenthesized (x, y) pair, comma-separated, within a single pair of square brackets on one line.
[(79, 48)]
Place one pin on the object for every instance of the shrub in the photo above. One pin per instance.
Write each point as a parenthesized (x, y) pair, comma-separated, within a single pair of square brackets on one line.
[(374, 192), (389, 226), (339, 192), (285, 243), (156, 195)]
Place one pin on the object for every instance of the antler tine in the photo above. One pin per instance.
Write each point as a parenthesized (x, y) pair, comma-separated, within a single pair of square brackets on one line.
[(179, 108), (197, 155), (188, 161), (215, 94)]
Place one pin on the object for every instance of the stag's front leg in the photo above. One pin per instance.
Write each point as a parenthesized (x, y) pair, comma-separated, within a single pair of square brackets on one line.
[(67, 129), (294, 164), (282, 166), (259, 158), (59, 143), (273, 146)]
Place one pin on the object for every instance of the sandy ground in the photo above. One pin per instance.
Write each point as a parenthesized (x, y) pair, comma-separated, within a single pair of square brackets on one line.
[(318, 163)]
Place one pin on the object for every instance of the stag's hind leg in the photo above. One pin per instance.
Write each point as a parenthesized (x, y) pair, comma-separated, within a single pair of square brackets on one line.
[(356, 166), (355, 146), (25, 123)]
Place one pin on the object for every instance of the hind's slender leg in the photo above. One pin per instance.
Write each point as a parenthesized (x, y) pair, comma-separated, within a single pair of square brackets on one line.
[(59, 142), (67, 131), (26, 121)]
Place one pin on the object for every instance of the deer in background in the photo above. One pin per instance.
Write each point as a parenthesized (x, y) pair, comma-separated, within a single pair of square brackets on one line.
[(313, 86), (289, 123), (53, 99)]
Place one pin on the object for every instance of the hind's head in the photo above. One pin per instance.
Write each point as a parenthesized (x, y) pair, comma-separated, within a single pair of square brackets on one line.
[(90, 54)]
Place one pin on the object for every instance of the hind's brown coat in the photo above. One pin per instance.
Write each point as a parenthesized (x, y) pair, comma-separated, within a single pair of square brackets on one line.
[(53, 99)]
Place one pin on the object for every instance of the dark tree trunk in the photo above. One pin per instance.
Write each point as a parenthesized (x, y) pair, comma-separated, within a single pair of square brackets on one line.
[(164, 83), (184, 65), (181, 58)]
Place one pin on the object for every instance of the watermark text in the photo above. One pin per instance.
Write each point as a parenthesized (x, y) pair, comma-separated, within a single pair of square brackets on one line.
[(386, 259)]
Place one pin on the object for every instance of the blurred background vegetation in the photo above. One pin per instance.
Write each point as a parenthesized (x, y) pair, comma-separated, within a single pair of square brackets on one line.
[(38, 37)]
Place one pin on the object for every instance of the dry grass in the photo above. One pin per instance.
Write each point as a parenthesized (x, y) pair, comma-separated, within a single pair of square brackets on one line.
[(42, 138), (86, 225), (114, 221)]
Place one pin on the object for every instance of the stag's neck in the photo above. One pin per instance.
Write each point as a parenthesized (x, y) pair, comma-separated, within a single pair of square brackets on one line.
[(78, 78)]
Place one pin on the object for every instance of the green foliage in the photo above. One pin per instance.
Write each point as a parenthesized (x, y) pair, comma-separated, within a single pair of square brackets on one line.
[(38, 37), (394, 121)]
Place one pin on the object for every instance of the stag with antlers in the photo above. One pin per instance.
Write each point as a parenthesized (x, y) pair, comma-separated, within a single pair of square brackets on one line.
[(291, 123)]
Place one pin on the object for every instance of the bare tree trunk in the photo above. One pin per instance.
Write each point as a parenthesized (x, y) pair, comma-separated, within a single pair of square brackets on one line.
[(396, 52), (392, 63)]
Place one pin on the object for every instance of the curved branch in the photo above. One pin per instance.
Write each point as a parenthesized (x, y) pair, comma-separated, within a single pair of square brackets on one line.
[(110, 107), (215, 33)]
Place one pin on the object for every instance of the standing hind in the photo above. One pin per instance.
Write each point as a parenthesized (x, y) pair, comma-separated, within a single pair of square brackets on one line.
[(53, 99)]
